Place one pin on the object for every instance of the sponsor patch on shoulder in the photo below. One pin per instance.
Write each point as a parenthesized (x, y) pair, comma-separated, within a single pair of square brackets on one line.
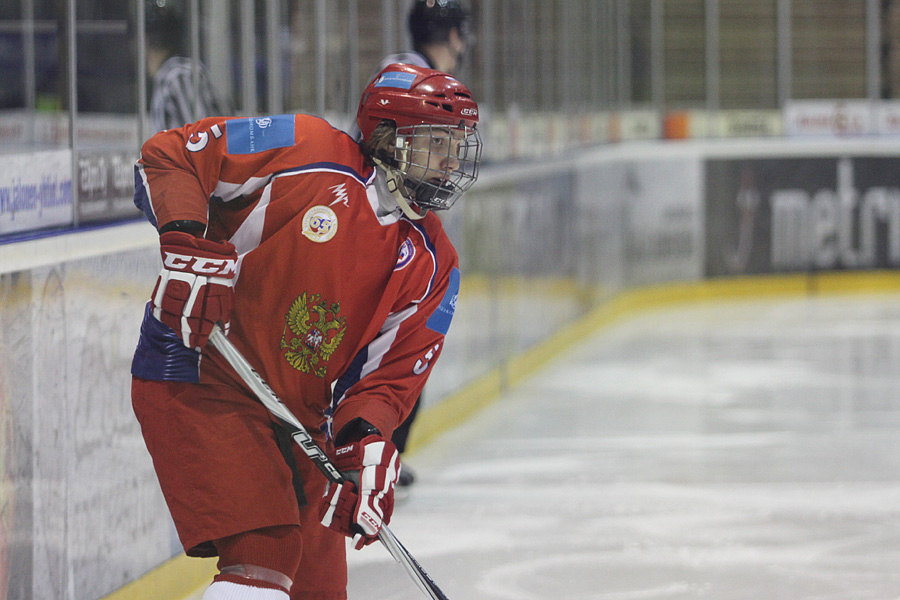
[(439, 320), (258, 134)]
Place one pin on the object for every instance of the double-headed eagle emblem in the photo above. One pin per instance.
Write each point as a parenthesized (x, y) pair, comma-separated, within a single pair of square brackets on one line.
[(316, 330)]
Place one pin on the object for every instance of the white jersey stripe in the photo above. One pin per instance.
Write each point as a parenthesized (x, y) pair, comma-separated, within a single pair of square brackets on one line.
[(380, 346), (229, 191), (385, 340)]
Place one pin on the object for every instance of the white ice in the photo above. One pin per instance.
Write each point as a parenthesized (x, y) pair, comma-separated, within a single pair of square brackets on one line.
[(738, 451)]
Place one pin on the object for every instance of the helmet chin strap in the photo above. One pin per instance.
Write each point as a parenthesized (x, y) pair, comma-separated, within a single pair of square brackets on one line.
[(393, 184)]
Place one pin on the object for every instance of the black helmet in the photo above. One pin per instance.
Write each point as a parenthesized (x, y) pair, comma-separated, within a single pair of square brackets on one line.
[(432, 20), (165, 24)]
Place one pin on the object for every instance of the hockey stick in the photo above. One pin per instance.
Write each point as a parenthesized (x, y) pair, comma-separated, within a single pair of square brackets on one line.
[(275, 406)]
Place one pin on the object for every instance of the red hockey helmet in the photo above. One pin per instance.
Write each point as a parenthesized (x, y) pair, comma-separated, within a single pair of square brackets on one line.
[(437, 147), (412, 95)]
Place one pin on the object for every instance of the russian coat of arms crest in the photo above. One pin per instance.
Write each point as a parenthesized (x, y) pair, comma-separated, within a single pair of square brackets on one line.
[(313, 330)]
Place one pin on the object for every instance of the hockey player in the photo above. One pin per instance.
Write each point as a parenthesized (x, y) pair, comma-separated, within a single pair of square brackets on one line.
[(336, 281), (439, 30)]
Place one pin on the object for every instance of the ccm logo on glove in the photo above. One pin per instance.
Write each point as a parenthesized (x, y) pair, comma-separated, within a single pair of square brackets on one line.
[(200, 265), (194, 290), (360, 510)]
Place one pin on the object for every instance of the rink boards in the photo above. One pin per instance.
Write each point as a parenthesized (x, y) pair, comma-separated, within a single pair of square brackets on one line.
[(550, 252)]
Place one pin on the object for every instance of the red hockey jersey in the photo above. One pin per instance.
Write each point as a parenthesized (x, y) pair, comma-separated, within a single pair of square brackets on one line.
[(342, 311)]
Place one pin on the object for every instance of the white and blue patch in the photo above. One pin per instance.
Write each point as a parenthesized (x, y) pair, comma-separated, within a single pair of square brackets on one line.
[(258, 134), (406, 254), (439, 320), (396, 79)]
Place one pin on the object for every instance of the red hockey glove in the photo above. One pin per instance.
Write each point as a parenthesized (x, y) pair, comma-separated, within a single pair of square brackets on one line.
[(359, 511), (195, 287)]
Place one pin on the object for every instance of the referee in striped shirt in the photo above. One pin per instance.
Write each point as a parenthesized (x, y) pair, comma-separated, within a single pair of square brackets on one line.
[(177, 98)]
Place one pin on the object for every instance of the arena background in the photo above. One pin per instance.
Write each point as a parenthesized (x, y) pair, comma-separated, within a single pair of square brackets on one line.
[(638, 153)]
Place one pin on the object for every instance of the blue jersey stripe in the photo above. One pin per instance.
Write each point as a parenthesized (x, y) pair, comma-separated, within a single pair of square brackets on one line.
[(350, 377), (141, 199), (429, 245), (328, 166)]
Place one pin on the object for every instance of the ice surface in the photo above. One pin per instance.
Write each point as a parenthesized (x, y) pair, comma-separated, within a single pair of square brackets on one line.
[(740, 451)]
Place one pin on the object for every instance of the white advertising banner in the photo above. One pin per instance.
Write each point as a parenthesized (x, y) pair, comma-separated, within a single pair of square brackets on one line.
[(638, 125), (746, 123), (98, 131), (829, 118), (887, 117), (35, 191)]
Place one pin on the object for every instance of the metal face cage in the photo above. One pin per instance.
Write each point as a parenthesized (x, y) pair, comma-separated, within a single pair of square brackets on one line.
[(438, 163)]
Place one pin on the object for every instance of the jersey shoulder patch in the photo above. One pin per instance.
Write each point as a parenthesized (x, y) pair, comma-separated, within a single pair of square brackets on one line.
[(439, 320), (258, 134)]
